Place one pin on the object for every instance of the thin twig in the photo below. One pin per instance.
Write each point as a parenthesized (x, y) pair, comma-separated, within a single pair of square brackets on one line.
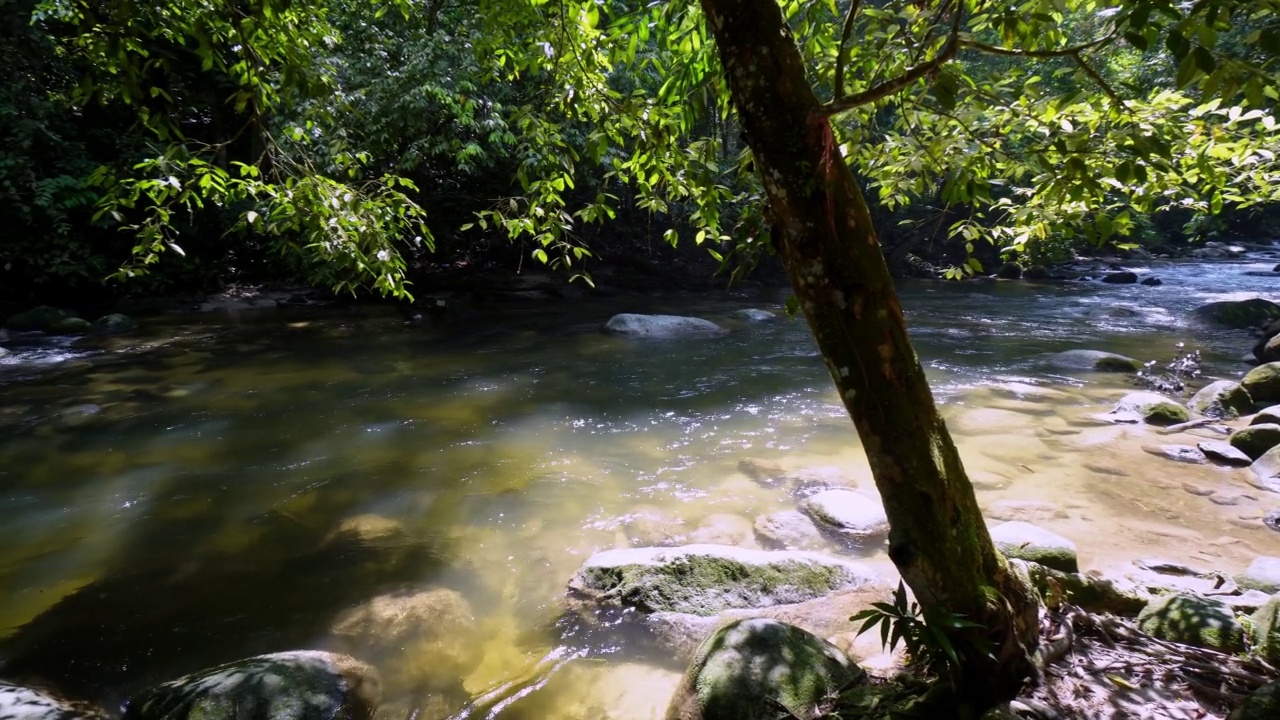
[(842, 53)]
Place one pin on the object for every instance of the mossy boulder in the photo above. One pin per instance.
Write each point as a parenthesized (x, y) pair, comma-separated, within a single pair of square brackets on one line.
[(707, 579), (1262, 574), (39, 319), (113, 324), (70, 326), (1009, 271), (1240, 314), (1222, 399), (1094, 594), (1193, 620), (23, 703), (1256, 440), (1150, 408), (1265, 629), (1266, 470), (1095, 360), (1263, 704), (1224, 453), (761, 669), (1263, 383), (1024, 541), (301, 685), (1265, 416)]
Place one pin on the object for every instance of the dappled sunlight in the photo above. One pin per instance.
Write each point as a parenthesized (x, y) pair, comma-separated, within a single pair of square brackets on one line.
[(213, 479)]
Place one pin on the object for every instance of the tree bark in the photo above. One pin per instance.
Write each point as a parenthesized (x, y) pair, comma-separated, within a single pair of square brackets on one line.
[(823, 233)]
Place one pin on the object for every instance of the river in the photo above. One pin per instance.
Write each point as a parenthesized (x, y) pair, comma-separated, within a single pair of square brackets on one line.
[(168, 499)]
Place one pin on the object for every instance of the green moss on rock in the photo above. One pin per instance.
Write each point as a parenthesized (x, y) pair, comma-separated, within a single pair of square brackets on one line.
[(1256, 440), (762, 669), (38, 319), (1263, 383), (707, 579), (1241, 314), (1263, 704), (1151, 408), (303, 685), (1222, 399), (1265, 631), (1193, 620)]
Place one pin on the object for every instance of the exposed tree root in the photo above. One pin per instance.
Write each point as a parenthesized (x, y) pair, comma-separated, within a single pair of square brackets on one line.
[(1100, 667)]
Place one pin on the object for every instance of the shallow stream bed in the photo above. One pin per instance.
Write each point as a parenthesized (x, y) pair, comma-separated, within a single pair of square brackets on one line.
[(169, 498)]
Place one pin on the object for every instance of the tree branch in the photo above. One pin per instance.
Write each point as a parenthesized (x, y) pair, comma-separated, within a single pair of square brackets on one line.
[(842, 54), (889, 87), (1043, 54), (1102, 83)]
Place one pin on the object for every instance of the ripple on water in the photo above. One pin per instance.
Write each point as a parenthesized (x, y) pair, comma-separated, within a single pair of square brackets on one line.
[(203, 517)]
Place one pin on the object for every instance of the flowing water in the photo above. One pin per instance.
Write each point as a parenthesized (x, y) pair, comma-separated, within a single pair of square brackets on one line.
[(169, 499)]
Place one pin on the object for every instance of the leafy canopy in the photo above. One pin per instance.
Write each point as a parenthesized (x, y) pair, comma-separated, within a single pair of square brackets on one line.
[(1029, 120)]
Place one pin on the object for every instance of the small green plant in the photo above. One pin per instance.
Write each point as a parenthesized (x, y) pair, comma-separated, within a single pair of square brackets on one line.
[(924, 635)]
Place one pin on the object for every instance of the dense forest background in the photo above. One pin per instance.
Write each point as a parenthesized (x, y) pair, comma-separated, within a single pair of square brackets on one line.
[(103, 137)]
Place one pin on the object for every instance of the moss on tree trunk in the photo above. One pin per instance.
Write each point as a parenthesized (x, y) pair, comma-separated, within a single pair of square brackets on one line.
[(823, 233)]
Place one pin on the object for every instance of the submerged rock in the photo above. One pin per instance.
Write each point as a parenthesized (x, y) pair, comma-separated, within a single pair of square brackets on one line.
[(1193, 620), (766, 472), (1222, 399), (420, 639), (649, 526), (660, 326), (1263, 383), (1256, 440), (1149, 407), (762, 669), (23, 703), (1241, 314), (367, 530), (850, 515), (754, 315), (706, 579), (1024, 541), (302, 685), (724, 529), (788, 530), (1094, 360)]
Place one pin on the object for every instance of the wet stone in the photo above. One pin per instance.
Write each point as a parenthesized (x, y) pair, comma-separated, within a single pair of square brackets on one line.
[(1224, 452), (1262, 574), (302, 685), (1272, 520), (23, 703), (852, 516), (1024, 541), (786, 530), (1178, 453)]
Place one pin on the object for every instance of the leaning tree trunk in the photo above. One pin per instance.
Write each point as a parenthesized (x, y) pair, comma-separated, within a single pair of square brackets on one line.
[(822, 232)]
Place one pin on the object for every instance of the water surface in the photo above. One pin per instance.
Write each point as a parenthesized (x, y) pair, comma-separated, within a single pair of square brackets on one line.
[(169, 499)]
